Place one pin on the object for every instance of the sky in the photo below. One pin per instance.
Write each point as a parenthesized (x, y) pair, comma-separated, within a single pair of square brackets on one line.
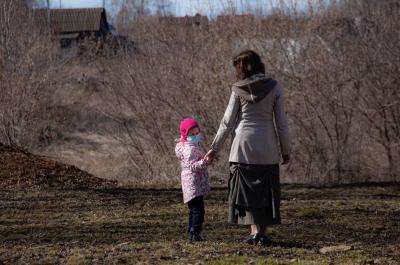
[(213, 7), (186, 7)]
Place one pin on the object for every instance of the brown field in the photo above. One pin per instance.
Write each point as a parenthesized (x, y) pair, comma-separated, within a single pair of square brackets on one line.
[(147, 226)]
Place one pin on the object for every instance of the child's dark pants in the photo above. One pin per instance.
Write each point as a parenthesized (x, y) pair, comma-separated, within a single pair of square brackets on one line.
[(196, 213)]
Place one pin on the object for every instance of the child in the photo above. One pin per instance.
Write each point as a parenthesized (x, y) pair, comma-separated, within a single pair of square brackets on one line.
[(194, 176)]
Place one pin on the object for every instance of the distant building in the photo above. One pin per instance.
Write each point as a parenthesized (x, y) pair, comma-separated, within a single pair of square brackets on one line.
[(345, 27), (72, 25), (195, 21)]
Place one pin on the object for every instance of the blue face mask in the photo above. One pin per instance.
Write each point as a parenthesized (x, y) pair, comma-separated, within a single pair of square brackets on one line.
[(194, 138)]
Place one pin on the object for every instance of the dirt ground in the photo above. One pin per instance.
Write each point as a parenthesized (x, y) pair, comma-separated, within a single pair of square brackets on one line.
[(20, 169), (147, 226)]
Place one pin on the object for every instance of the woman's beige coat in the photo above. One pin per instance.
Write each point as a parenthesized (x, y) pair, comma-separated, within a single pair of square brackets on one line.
[(256, 117)]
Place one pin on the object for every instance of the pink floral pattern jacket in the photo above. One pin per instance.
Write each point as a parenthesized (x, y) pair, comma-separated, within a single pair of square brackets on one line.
[(194, 176)]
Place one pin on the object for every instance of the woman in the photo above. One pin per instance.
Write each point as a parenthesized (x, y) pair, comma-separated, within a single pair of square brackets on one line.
[(255, 115)]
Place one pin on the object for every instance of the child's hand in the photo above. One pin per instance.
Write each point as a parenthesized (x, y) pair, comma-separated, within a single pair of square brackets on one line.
[(209, 157)]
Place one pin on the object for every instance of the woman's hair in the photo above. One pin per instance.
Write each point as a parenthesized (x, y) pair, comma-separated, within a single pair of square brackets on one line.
[(248, 63)]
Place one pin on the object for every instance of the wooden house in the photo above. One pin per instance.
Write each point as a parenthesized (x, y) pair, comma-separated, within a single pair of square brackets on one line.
[(73, 25)]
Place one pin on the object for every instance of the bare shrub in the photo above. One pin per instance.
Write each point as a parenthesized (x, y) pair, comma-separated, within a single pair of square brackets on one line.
[(169, 77), (338, 64), (340, 90), (27, 62)]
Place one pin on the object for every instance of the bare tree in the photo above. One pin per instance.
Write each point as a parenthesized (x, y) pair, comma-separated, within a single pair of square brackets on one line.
[(339, 67), (322, 60), (27, 62)]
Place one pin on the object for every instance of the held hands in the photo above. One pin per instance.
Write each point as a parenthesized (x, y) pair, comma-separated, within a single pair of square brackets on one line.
[(209, 157)]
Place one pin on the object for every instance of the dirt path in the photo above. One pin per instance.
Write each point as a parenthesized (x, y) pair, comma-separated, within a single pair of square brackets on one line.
[(133, 226)]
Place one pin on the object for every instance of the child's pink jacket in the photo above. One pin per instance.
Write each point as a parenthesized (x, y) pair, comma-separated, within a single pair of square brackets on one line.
[(194, 176)]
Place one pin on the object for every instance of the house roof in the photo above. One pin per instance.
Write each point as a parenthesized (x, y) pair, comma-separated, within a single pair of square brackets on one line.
[(71, 20)]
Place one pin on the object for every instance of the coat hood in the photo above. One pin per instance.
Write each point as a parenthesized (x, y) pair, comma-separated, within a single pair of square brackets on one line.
[(254, 88)]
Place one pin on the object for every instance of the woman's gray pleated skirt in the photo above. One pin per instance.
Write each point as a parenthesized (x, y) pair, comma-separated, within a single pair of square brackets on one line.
[(254, 194)]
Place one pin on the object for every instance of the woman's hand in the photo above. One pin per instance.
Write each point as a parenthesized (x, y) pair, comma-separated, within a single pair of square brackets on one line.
[(286, 159), (209, 157)]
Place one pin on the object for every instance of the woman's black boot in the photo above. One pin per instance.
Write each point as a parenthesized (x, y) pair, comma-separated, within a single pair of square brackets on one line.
[(264, 240), (252, 239)]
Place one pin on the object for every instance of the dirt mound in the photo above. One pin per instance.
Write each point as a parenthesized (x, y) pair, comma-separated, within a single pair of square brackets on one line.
[(20, 169)]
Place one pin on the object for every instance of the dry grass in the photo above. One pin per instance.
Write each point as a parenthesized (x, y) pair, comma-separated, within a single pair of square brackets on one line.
[(147, 226)]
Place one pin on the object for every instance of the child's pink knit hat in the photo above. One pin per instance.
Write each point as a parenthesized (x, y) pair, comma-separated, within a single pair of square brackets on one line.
[(186, 125)]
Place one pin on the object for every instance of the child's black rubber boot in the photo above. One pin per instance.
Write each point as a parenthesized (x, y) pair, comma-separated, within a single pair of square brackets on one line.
[(194, 235)]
